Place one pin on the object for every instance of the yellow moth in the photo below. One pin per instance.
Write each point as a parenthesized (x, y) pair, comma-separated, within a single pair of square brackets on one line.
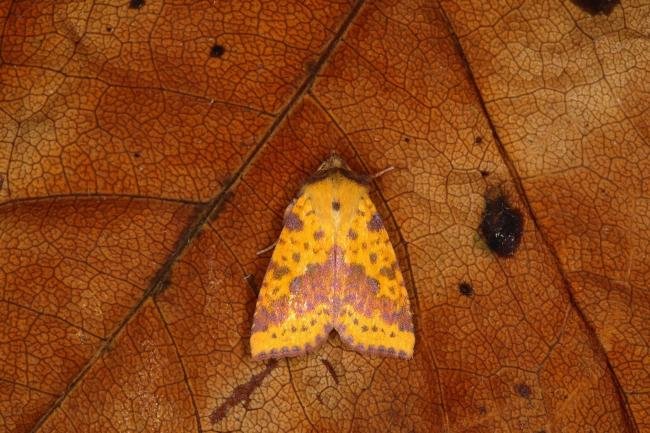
[(333, 267)]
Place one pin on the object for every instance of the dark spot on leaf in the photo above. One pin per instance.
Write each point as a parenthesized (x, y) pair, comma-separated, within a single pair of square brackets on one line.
[(595, 7), (373, 258), (296, 257), (136, 4), (352, 234), (501, 226), (374, 329), (364, 328), (392, 335), (217, 50), (331, 370), (306, 245), (465, 289), (375, 223), (336, 205), (319, 234), (293, 222), (242, 393), (523, 390)]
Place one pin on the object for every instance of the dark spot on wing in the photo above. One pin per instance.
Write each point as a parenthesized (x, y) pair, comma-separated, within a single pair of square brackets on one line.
[(388, 272), (336, 205), (374, 286), (375, 223), (352, 234), (319, 234), (296, 257), (373, 258), (280, 271), (293, 222)]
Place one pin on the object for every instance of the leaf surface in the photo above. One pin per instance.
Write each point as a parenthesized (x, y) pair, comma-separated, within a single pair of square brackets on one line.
[(148, 150)]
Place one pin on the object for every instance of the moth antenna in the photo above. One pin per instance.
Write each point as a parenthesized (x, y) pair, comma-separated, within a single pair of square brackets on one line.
[(382, 172), (267, 249)]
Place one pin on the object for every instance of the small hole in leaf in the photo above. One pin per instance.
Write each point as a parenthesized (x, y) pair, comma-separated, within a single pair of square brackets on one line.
[(217, 50), (501, 226), (485, 173), (136, 154), (466, 289), (109, 29), (407, 139), (478, 139), (136, 4)]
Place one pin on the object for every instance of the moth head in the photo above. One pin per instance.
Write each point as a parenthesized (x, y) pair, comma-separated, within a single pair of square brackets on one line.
[(333, 161)]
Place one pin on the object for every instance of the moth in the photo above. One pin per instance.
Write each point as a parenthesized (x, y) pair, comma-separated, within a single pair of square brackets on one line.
[(333, 268)]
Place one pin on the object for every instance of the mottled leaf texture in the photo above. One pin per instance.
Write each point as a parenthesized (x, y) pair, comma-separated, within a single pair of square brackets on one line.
[(148, 150)]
